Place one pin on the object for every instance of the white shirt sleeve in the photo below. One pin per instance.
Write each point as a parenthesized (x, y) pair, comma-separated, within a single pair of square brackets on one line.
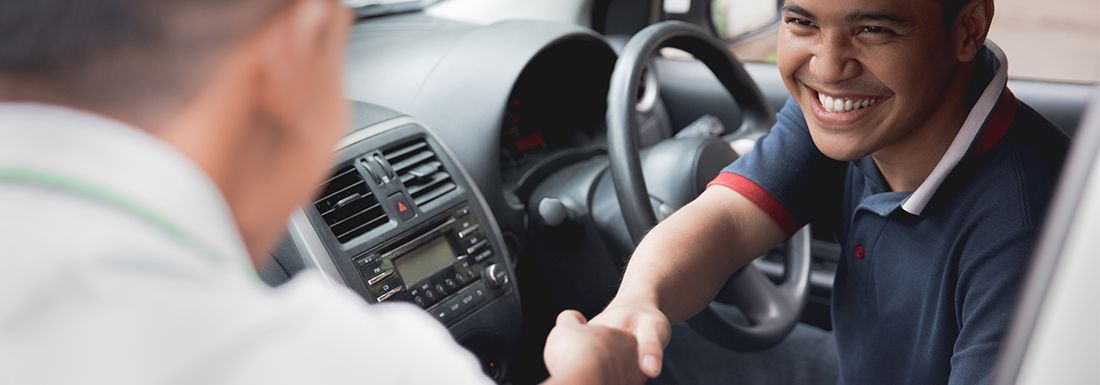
[(325, 336)]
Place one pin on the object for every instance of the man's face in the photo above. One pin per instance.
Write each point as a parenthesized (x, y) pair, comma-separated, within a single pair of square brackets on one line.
[(865, 72)]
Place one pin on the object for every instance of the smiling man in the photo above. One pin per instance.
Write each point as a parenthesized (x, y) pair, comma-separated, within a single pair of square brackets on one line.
[(901, 140)]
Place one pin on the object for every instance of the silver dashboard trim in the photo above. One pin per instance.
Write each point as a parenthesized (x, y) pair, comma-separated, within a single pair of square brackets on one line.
[(302, 232), (313, 251)]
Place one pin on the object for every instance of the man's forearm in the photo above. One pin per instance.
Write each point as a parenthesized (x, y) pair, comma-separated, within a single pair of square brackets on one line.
[(684, 261)]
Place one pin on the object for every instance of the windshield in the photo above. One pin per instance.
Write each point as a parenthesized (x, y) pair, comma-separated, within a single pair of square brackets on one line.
[(370, 8)]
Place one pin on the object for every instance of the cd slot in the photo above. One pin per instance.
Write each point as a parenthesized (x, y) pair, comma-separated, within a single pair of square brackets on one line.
[(419, 240)]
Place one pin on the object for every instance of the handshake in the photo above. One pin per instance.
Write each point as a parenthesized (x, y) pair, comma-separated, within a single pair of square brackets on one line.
[(621, 345)]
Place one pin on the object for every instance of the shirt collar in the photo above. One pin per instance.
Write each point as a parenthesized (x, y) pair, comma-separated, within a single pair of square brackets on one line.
[(987, 122), (125, 161)]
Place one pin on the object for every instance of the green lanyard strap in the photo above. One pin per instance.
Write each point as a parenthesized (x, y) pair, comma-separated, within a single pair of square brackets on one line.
[(90, 190)]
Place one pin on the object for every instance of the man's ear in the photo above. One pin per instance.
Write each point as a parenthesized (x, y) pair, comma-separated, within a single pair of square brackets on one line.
[(970, 28), (286, 49)]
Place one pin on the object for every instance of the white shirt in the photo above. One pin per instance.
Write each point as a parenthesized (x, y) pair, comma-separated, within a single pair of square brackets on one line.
[(94, 292)]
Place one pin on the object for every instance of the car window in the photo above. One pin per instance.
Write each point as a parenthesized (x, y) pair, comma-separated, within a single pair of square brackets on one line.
[(1054, 40)]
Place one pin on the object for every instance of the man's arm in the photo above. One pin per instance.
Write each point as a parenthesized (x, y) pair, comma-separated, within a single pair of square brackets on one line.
[(682, 263)]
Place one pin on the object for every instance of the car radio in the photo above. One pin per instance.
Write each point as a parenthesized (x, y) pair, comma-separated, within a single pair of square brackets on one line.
[(444, 267)]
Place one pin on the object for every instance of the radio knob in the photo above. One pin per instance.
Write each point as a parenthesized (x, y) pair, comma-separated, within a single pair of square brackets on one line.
[(497, 276)]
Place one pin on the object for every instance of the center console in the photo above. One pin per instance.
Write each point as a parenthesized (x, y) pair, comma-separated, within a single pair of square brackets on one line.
[(446, 267), (400, 221)]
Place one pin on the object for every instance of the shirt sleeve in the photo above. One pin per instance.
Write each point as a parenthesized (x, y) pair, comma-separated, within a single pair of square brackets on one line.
[(990, 274), (785, 174), (318, 335)]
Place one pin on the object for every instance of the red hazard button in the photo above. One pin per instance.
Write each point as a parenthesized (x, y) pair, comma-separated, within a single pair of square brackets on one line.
[(400, 204)]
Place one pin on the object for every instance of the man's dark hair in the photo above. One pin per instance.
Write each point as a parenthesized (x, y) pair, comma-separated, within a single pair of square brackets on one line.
[(76, 44), (951, 10)]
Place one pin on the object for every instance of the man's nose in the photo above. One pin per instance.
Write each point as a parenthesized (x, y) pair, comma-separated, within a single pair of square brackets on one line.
[(833, 60)]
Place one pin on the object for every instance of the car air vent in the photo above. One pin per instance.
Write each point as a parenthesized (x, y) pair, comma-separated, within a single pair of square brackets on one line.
[(421, 171), (348, 206)]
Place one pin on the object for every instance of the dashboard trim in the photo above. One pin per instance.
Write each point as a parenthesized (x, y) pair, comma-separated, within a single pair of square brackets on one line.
[(303, 233), (309, 244)]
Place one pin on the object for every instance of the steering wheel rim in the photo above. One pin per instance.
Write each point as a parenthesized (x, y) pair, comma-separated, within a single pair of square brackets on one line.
[(772, 310)]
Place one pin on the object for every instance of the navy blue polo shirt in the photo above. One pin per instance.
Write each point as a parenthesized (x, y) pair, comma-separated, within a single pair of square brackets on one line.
[(927, 279)]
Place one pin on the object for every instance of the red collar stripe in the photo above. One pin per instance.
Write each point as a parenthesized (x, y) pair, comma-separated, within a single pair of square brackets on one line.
[(999, 120)]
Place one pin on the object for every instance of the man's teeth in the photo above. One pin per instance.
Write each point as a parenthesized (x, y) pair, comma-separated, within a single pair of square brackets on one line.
[(843, 104)]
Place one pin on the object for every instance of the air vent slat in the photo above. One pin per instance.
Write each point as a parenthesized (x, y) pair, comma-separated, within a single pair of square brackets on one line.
[(363, 228), (411, 161), (342, 221), (333, 202), (396, 155), (436, 179), (421, 171), (433, 194), (348, 207)]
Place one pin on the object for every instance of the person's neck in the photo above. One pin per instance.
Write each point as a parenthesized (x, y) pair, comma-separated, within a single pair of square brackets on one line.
[(906, 163)]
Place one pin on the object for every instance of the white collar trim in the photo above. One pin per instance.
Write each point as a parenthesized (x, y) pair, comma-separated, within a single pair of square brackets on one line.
[(974, 121)]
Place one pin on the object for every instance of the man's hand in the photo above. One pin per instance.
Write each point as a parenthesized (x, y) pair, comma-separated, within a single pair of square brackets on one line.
[(581, 353), (649, 327)]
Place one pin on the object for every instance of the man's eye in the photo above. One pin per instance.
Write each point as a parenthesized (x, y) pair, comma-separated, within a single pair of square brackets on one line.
[(876, 30), (799, 22)]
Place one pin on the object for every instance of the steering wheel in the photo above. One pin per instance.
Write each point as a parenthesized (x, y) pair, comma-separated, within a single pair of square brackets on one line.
[(772, 310)]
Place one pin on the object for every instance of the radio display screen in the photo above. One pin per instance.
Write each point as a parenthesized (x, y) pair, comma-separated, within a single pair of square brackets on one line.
[(425, 260)]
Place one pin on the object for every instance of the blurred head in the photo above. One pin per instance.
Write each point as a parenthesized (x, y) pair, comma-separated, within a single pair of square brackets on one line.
[(251, 90), (869, 73)]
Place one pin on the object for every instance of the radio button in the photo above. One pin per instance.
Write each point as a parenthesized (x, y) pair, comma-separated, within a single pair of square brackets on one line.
[(364, 263), (442, 291), (420, 301), (442, 314), (472, 239), (477, 247), (389, 294), (451, 284), (377, 267), (431, 295), (378, 278), (497, 276), (386, 286), (483, 256), (468, 231), (456, 306), (461, 278)]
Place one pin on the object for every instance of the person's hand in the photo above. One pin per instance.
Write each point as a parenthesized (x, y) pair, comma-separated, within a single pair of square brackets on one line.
[(581, 353), (648, 325)]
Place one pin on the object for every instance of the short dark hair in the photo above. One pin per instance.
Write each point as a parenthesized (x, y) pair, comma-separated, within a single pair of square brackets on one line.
[(71, 42), (951, 10)]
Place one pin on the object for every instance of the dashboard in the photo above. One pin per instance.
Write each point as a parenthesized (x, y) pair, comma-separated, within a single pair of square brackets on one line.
[(399, 221), (557, 104), (455, 127)]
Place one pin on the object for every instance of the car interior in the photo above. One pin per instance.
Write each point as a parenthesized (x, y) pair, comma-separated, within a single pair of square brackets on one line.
[(502, 160)]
